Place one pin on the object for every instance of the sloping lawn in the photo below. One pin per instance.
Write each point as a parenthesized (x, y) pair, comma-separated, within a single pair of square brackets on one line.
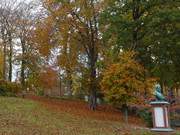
[(26, 117)]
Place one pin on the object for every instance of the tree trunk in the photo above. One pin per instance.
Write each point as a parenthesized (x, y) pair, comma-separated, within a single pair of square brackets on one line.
[(93, 93), (4, 62), (10, 56), (93, 100), (125, 110), (93, 89), (60, 87), (162, 87), (23, 62), (69, 83), (69, 87), (136, 16), (4, 53)]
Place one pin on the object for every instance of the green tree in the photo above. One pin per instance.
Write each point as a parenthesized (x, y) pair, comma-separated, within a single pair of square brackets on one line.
[(148, 27)]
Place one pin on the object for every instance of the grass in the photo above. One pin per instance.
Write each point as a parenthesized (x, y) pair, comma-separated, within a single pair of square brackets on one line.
[(26, 117)]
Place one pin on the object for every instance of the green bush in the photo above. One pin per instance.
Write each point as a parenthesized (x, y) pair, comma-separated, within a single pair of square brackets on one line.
[(9, 88), (39, 92), (146, 115), (2, 91)]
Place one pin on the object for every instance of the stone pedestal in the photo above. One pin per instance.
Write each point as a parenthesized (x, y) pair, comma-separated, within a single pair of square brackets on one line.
[(160, 115)]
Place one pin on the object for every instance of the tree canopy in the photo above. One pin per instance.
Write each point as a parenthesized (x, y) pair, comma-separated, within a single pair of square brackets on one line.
[(88, 46)]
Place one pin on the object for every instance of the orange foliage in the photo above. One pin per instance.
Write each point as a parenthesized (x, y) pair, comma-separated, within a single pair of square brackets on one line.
[(124, 82), (42, 37), (80, 108), (48, 78)]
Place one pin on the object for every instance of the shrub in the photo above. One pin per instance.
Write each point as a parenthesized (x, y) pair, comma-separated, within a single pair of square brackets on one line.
[(146, 115), (175, 117), (39, 92), (2, 91), (9, 88)]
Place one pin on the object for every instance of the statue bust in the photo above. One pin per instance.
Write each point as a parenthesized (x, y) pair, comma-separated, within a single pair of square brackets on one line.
[(158, 94)]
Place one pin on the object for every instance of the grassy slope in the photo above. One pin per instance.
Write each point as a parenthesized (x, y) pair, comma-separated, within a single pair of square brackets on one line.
[(25, 117)]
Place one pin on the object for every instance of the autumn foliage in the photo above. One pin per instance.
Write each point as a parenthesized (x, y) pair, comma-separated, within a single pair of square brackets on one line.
[(124, 81), (48, 78)]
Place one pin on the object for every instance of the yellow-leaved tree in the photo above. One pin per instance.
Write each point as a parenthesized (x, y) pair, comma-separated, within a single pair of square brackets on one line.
[(124, 81), (72, 26)]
